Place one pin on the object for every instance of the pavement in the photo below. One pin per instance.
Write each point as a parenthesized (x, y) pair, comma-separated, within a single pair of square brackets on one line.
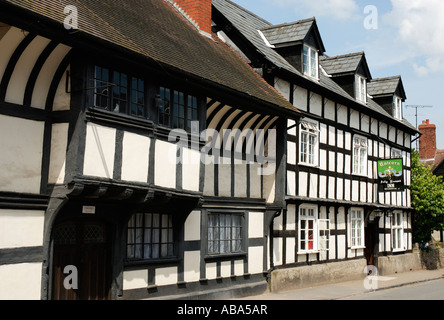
[(342, 290)]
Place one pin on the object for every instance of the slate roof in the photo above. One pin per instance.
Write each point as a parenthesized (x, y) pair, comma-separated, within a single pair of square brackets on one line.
[(249, 24), (385, 86), (342, 64), (288, 32), (158, 33)]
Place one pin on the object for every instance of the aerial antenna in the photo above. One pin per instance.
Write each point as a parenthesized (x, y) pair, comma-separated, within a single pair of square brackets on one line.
[(416, 115)]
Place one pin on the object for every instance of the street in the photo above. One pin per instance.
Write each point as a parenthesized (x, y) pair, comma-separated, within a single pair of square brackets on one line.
[(432, 290)]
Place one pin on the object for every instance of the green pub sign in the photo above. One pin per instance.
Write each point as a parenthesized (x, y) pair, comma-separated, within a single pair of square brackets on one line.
[(390, 175)]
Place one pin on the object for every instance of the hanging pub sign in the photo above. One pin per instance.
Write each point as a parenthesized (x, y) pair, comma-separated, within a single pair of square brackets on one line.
[(390, 175)]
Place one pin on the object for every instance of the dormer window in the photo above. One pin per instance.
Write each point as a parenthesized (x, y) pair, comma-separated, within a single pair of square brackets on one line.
[(310, 62), (361, 89), (397, 107)]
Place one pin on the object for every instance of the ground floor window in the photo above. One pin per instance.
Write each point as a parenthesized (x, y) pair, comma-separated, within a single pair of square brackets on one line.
[(357, 228), (150, 236), (308, 228), (397, 232), (225, 233)]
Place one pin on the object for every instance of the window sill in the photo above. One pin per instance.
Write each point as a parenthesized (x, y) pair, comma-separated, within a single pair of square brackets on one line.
[(138, 263), (224, 256), (309, 252), (357, 248)]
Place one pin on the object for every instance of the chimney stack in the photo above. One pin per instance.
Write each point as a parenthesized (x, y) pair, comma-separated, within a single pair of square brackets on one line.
[(199, 12), (427, 142)]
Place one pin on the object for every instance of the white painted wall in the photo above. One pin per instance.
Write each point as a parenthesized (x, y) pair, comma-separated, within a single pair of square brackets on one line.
[(21, 159), (21, 228), (99, 151), (59, 144), (135, 157), (21, 281)]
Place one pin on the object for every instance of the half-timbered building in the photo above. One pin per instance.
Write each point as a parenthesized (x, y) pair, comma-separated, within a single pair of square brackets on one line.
[(337, 221), (140, 155)]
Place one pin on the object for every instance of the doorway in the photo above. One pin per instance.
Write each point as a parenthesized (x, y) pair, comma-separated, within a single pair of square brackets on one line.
[(369, 251), (86, 246)]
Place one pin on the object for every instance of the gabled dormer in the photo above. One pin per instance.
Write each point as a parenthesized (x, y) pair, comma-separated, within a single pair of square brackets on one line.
[(351, 72), (299, 43), (390, 94)]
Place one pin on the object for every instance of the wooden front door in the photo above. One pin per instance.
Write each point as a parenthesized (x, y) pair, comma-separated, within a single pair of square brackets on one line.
[(84, 245), (369, 250)]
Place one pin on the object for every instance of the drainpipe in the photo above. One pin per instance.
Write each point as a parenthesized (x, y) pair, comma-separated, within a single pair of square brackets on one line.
[(271, 269)]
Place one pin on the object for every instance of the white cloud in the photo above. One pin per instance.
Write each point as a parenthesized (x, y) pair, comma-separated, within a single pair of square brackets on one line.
[(337, 9), (421, 29)]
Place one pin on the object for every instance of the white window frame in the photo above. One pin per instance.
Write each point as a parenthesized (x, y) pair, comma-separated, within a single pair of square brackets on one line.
[(397, 107), (308, 213), (311, 60), (360, 161), (398, 231), (356, 228), (361, 89), (310, 130)]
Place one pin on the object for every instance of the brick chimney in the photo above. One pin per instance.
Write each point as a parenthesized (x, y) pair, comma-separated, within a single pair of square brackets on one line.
[(427, 142), (199, 12)]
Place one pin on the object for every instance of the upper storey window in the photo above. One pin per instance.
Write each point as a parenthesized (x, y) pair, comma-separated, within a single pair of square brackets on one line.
[(397, 107), (119, 92), (310, 62), (361, 89)]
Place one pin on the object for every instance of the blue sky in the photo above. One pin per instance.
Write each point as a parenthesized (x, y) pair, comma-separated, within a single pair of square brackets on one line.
[(408, 41)]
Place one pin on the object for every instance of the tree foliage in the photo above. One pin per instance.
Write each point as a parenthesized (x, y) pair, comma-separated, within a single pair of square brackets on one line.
[(427, 192)]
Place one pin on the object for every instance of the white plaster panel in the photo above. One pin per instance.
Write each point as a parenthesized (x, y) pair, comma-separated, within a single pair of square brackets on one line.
[(347, 140), (21, 228), (19, 78), (165, 164), (22, 161), (62, 99), (225, 177), (99, 151), (277, 252), (340, 188), (291, 217), (59, 144), (255, 181), (340, 165), (192, 226), (9, 43), (316, 104), (365, 123), (283, 87), (239, 267), (191, 169), (313, 185), (354, 119), (256, 225), (331, 187), (322, 187), (269, 187), (363, 191), (135, 157), (166, 276), (291, 152), (329, 112), (209, 180), (323, 134), (255, 260), (46, 76), (211, 270), (340, 136), (342, 114), (331, 135), (341, 246), (300, 98), (191, 266), (332, 161), (291, 124), (383, 130), (303, 176), (21, 281), (355, 191), (323, 160), (225, 269), (347, 195), (290, 250), (240, 180), (135, 279), (277, 223)]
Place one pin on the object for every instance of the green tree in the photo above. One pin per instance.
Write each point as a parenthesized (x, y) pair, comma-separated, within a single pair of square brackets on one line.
[(427, 192)]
